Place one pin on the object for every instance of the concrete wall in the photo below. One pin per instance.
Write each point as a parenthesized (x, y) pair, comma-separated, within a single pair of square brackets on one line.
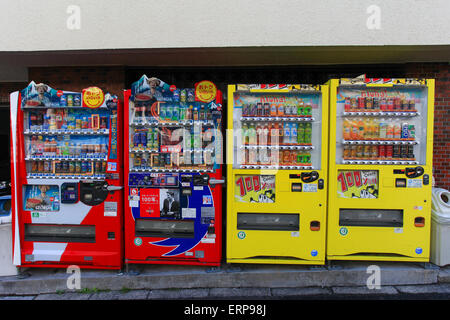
[(29, 25)]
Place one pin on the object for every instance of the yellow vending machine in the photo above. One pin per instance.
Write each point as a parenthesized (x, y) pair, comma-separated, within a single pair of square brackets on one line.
[(380, 169), (277, 173)]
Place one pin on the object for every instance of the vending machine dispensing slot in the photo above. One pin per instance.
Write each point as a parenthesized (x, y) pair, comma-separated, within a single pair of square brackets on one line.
[(60, 233), (371, 217), (268, 221), (164, 228)]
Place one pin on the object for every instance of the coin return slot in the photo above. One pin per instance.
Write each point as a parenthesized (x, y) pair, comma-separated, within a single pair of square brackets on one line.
[(419, 222)]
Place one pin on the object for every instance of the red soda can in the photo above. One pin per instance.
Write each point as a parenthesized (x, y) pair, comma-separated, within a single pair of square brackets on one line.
[(382, 151), (347, 105), (390, 105), (397, 103), (383, 104), (361, 103), (389, 151)]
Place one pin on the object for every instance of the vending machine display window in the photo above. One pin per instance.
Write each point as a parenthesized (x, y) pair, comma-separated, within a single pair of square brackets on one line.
[(381, 125), (277, 130)]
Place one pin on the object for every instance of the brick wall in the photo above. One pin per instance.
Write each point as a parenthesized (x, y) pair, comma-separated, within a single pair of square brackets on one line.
[(441, 143)]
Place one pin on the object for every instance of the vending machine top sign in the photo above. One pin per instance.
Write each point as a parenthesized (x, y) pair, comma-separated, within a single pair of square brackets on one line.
[(42, 95)]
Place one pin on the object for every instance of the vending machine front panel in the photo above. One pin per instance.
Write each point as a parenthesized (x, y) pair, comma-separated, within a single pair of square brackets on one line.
[(277, 173), (381, 133), (67, 178), (174, 173)]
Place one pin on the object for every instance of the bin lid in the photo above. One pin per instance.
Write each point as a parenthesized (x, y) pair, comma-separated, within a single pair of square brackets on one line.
[(440, 201)]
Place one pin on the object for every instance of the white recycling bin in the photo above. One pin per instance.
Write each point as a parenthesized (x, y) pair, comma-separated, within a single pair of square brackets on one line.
[(7, 267), (440, 227)]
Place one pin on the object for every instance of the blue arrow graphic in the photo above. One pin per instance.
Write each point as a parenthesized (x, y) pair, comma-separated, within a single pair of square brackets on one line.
[(183, 245)]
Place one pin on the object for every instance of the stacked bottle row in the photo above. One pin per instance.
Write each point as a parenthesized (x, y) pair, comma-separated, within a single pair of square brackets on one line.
[(53, 168), (377, 129), (58, 147), (64, 119), (270, 157), (285, 109), (377, 104), (182, 161), (288, 133), (170, 112), (379, 152)]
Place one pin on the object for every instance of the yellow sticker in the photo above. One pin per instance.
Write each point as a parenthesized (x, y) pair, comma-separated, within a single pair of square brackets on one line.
[(93, 97)]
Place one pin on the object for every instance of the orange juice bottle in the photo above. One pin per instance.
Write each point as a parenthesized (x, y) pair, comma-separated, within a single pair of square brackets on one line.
[(354, 134), (361, 129), (347, 129)]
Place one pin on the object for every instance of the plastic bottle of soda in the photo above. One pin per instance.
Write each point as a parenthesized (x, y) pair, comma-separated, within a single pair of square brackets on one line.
[(308, 132), (286, 134), (294, 131), (266, 134), (273, 135), (301, 133), (273, 110)]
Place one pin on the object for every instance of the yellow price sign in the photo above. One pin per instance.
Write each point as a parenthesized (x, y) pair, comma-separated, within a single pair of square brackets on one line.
[(205, 91), (93, 97)]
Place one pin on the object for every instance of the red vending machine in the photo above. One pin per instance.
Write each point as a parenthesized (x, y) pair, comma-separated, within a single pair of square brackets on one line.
[(66, 176), (173, 214)]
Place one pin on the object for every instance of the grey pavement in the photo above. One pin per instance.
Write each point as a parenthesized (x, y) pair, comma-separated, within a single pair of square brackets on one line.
[(339, 280)]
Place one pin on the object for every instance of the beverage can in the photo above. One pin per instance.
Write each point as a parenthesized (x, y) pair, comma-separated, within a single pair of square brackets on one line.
[(63, 101), (411, 131), (70, 100), (361, 103), (404, 152), (245, 110), (369, 103), (389, 151), (176, 95), (359, 151), (405, 131), (382, 151), (347, 104), (404, 104), (266, 110), (390, 104), (353, 104), (367, 152), (77, 100), (183, 95), (411, 105), (346, 152), (373, 152), (376, 104), (383, 104)]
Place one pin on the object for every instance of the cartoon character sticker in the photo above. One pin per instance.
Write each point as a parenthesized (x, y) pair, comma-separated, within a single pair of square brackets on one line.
[(255, 188), (358, 184)]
